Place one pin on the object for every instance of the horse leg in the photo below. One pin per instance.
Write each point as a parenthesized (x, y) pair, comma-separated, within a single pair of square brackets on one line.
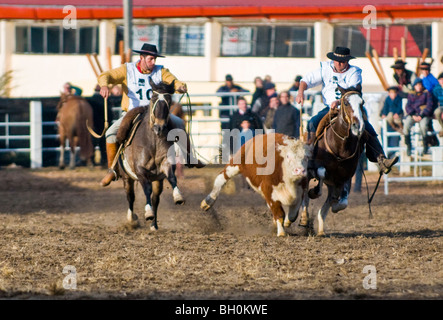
[(323, 212), (147, 189), (157, 188), (342, 203), (73, 142), (176, 193), (61, 162), (315, 192), (228, 172), (130, 196), (304, 219)]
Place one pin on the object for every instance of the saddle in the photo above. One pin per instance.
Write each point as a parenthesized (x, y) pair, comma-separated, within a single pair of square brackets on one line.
[(325, 122), (129, 125)]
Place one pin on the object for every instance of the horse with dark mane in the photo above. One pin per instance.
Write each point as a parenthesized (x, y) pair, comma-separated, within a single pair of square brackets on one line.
[(338, 146), (148, 156), (72, 114)]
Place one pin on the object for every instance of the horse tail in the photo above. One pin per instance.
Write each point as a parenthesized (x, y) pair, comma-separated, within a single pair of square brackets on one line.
[(84, 138)]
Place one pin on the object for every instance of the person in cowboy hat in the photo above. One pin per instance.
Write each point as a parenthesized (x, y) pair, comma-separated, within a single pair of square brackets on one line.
[(403, 78), (429, 81), (134, 79), (332, 74)]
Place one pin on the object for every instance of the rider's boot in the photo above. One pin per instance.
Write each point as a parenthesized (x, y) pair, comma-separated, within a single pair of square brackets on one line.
[(111, 175), (343, 201), (375, 153)]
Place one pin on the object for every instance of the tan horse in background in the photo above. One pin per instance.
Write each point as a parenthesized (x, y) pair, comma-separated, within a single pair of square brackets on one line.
[(73, 112)]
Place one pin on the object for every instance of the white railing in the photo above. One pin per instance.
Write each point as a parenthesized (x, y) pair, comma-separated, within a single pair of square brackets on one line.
[(405, 164), (206, 126)]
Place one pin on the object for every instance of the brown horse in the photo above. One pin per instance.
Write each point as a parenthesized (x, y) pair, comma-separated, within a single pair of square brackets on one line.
[(336, 154), (149, 157), (73, 112)]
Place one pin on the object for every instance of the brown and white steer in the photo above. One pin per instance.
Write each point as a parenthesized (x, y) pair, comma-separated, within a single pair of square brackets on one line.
[(275, 166)]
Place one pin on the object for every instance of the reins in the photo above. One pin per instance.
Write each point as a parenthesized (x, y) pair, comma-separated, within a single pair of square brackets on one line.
[(348, 121), (161, 97), (189, 124)]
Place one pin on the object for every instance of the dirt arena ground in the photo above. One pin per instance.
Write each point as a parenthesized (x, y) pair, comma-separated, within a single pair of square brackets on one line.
[(51, 219)]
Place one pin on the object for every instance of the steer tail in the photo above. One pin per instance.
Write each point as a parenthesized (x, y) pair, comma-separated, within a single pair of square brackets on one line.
[(228, 172)]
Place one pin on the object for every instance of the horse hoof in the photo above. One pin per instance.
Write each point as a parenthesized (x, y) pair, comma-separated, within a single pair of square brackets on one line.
[(178, 197), (154, 228), (179, 202), (321, 235), (61, 167), (303, 223), (207, 203), (287, 223)]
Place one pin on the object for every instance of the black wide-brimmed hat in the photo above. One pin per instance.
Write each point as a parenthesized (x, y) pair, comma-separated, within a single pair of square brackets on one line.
[(425, 66), (149, 49), (398, 64), (340, 54)]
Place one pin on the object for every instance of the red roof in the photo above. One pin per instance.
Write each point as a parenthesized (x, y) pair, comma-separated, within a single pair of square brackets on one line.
[(297, 9)]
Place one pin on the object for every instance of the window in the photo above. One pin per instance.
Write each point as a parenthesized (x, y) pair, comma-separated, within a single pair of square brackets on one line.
[(268, 41), (184, 40), (56, 40), (384, 39)]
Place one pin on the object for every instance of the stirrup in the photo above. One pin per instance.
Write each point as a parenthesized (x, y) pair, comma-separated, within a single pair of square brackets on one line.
[(107, 180), (386, 168)]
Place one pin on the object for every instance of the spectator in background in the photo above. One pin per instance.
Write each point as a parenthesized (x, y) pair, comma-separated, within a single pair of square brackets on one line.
[(438, 97), (229, 86), (244, 113), (268, 123), (246, 122), (97, 104), (228, 100), (429, 81), (403, 78), (287, 117), (267, 79), (68, 88), (393, 109), (259, 91), (260, 106), (420, 108), (296, 84)]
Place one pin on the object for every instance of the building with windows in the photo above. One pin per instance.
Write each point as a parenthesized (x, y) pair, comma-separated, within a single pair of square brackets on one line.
[(44, 42)]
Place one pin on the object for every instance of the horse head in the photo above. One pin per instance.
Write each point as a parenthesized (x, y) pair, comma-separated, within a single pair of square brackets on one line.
[(351, 108), (159, 106)]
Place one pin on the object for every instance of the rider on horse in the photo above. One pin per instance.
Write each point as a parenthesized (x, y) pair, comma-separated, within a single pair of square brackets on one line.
[(134, 78), (331, 75)]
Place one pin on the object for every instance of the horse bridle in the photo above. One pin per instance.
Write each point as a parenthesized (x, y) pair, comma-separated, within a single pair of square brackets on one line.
[(160, 97), (344, 114), (348, 121)]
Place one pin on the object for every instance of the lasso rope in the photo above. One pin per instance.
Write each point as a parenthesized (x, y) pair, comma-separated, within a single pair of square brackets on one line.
[(189, 124)]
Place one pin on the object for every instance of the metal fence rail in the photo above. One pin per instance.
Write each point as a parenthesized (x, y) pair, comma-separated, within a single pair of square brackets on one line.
[(405, 165)]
